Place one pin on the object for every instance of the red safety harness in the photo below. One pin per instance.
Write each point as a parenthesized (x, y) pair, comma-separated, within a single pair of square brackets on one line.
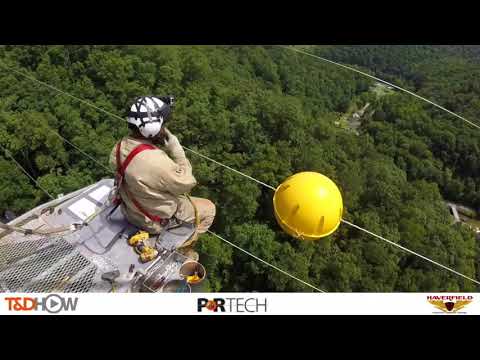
[(120, 179)]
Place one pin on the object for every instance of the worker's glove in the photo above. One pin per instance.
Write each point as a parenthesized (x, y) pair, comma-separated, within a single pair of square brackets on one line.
[(172, 145)]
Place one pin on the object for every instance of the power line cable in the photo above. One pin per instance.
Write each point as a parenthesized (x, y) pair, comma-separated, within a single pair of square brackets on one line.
[(26, 173), (409, 251), (382, 81), (71, 96), (83, 152), (57, 89), (122, 119), (267, 263), (193, 151), (231, 169)]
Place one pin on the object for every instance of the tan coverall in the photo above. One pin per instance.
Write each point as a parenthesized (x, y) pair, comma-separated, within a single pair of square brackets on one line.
[(158, 183)]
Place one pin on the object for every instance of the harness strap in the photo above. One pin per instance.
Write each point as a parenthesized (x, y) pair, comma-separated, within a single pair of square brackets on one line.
[(121, 167), (152, 217)]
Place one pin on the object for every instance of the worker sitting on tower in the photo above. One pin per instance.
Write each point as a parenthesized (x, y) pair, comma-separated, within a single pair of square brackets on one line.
[(154, 175)]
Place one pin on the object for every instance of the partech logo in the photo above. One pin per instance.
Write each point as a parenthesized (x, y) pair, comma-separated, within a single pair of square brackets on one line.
[(232, 305), (450, 304), (52, 304)]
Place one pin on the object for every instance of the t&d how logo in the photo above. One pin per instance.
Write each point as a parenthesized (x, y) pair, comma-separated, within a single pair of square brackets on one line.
[(232, 305), (450, 303), (52, 304)]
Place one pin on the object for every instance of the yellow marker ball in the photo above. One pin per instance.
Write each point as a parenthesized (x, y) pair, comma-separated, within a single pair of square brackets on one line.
[(308, 205)]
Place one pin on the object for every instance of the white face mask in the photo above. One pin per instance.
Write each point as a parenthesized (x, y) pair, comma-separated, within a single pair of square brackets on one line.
[(149, 126), (152, 129)]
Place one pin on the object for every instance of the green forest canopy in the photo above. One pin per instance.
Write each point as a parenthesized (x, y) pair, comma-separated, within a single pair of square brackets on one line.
[(270, 112)]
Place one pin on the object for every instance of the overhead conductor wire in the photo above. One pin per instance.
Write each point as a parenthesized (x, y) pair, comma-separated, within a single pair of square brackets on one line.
[(382, 81), (71, 96), (26, 173), (419, 97)]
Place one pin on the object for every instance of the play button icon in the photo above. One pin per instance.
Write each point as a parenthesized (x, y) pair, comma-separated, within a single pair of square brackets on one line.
[(53, 303)]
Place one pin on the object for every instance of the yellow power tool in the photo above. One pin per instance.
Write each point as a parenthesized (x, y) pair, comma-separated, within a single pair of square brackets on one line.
[(139, 243)]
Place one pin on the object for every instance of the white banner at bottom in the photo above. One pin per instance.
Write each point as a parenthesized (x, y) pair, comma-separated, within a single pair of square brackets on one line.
[(214, 304)]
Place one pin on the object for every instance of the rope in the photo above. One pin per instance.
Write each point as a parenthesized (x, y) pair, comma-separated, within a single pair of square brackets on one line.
[(409, 251), (266, 263), (383, 81), (49, 232)]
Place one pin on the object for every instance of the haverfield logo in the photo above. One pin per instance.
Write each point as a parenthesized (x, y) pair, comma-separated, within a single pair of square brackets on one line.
[(52, 304), (232, 305), (450, 304)]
